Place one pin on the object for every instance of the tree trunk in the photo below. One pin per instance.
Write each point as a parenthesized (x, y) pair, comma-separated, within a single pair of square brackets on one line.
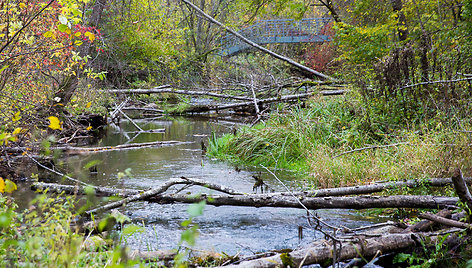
[(322, 251), (263, 49)]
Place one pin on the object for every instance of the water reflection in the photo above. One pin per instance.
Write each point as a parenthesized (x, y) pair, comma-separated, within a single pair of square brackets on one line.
[(228, 229)]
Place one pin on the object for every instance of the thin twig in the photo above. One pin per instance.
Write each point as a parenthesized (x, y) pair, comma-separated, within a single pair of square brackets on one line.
[(54, 171), (437, 82), (298, 200)]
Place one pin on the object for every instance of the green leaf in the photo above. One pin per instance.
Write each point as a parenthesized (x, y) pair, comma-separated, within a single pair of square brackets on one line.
[(131, 229), (89, 190), (64, 28), (10, 186), (401, 257), (92, 164), (195, 210), (3, 68)]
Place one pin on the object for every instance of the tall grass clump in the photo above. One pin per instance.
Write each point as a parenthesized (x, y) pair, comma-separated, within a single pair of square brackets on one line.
[(319, 141)]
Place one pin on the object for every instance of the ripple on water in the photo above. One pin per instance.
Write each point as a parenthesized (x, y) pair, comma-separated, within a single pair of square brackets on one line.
[(228, 229)]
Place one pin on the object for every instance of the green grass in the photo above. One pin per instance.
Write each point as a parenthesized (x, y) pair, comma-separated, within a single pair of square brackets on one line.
[(308, 140)]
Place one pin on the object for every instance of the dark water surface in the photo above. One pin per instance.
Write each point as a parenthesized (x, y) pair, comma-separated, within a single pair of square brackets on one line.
[(228, 229)]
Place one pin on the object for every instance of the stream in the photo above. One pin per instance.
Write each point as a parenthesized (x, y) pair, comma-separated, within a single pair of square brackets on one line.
[(226, 229)]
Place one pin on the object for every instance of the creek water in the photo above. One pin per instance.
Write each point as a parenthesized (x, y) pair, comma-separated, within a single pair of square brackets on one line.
[(222, 229)]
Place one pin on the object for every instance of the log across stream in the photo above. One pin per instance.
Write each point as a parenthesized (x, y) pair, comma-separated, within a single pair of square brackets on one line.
[(229, 229)]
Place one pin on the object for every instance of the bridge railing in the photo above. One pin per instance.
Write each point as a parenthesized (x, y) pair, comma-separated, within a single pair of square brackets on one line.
[(277, 31)]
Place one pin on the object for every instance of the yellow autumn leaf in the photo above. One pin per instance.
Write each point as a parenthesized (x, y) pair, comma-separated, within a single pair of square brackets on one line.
[(89, 127), (10, 186), (49, 34), (17, 131), (2, 185), (22, 5), (54, 123), (16, 117), (88, 104), (90, 35)]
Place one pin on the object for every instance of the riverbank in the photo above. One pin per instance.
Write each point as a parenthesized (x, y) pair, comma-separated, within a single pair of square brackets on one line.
[(333, 142)]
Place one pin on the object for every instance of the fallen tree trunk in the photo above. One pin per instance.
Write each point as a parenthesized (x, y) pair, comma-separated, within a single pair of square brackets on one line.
[(378, 187), (87, 150), (322, 251), (176, 91), (445, 221), (351, 190), (267, 200), (206, 108), (461, 188), (253, 44)]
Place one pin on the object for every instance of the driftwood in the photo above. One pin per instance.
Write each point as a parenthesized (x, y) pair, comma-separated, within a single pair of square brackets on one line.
[(253, 44), (378, 187), (148, 256), (142, 109)]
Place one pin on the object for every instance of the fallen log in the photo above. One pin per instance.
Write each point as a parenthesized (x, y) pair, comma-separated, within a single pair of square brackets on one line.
[(149, 256), (162, 188), (321, 252), (426, 225), (445, 221), (86, 150), (253, 44), (81, 190), (351, 190), (378, 187), (216, 107), (176, 91), (461, 188), (267, 200)]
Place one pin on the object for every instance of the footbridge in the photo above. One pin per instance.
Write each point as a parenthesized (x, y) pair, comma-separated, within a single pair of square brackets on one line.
[(278, 31)]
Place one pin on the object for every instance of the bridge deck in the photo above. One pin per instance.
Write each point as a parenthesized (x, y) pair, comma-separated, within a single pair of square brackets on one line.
[(277, 31)]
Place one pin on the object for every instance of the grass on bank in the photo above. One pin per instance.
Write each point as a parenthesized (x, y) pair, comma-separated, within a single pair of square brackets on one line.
[(309, 140)]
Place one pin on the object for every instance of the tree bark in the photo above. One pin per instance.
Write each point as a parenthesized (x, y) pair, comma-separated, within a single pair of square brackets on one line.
[(322, 251), (161, 90), (352, 190), (206, 108), (86, 150), (268, 200), (445, 221), (461, 188)]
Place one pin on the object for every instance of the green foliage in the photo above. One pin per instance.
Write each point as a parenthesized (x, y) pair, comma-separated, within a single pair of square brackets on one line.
[(363, 45), (145, 35), (190, 232), (430, 257)]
